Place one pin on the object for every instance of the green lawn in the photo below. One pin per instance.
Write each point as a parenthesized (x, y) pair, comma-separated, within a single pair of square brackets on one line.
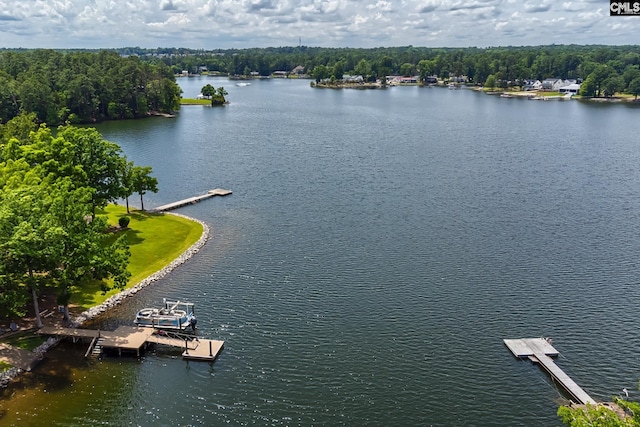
[(155, 240), (193, 101)]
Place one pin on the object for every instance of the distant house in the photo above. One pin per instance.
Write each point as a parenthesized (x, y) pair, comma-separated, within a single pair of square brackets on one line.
[(554, 85), (298, 70), (408, 80), (532, 85), (572, 88), (459, 79), (352, 79), (431, 80), (280, 74)]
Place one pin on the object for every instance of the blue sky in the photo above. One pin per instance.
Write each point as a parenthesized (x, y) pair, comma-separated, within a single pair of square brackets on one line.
[(212, 24)]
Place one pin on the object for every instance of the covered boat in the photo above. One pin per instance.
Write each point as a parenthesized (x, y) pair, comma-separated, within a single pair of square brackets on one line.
[(174, 316)]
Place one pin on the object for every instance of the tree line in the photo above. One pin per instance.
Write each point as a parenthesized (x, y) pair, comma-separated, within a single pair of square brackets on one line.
[(51, 186), (88, 86), (83, 87), (603, 69)]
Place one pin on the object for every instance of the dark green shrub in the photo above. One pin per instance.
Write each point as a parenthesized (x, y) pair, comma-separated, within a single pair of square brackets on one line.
[(123, 221)]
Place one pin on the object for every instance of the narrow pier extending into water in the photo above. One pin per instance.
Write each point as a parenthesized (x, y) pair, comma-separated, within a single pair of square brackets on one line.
[(133, 338), (539, 350), (192, 200)]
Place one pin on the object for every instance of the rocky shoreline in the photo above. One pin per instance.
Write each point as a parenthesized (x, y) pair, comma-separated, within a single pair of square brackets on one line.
[(7, 376)]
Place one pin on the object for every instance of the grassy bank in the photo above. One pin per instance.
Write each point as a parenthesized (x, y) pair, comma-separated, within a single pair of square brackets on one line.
[(155, 240), (193, 101)]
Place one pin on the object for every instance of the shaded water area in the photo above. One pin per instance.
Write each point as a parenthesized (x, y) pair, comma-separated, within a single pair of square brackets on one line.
[(377, 248)]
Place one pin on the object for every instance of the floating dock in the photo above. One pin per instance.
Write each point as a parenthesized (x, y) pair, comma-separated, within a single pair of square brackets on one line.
[(540, 350), (191, 200), (133, 338)]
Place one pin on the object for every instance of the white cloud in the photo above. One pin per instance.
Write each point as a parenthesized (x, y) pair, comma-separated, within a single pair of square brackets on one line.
[(356, 23), (537, 7)]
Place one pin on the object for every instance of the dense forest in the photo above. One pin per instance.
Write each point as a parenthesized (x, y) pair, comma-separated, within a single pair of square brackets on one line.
[(83, 87), (87, 86)]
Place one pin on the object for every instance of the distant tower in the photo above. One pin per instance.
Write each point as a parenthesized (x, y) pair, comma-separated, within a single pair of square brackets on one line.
[(299, 41)]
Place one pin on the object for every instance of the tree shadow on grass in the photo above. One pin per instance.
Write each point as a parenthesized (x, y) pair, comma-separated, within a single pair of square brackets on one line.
[(133, 236), (142, 215)]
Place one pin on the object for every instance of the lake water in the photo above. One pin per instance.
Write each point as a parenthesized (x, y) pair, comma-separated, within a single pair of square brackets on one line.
[(378, 247)]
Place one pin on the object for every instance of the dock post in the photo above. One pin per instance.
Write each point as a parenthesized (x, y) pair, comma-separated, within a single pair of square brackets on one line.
[(210, 350), (186, 346)]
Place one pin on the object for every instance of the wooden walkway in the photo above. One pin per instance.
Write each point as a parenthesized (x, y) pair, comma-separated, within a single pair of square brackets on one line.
[(192, 200), (538, 350), (133, 338)]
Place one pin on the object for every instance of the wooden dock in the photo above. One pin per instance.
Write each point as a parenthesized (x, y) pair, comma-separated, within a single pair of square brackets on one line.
[(191, 200), (539, 350), (133, 338)]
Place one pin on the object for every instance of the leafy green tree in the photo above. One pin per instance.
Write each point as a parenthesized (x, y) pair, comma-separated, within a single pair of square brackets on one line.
[(126, 178), (12, 296), (93, 162), (384, 67), (490, 82), (142, 181), (630, 73), (596, 79), (320, 72), (45, 202), (611, 85), (30, 239), (35, 96), (588, 87), (9, 106), (425, 69), (87, 254), (338, 70), (407, 69), (593, 416), (81, 95), (219, 96), (634, 87), (208, 90), (18, 128), (363, 68)]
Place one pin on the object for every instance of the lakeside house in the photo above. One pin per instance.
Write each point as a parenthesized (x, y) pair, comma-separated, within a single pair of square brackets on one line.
[(298, 70), (573, 88), (554, 84), (459, 79), (402, 80), (532, 85), (352, 79)]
